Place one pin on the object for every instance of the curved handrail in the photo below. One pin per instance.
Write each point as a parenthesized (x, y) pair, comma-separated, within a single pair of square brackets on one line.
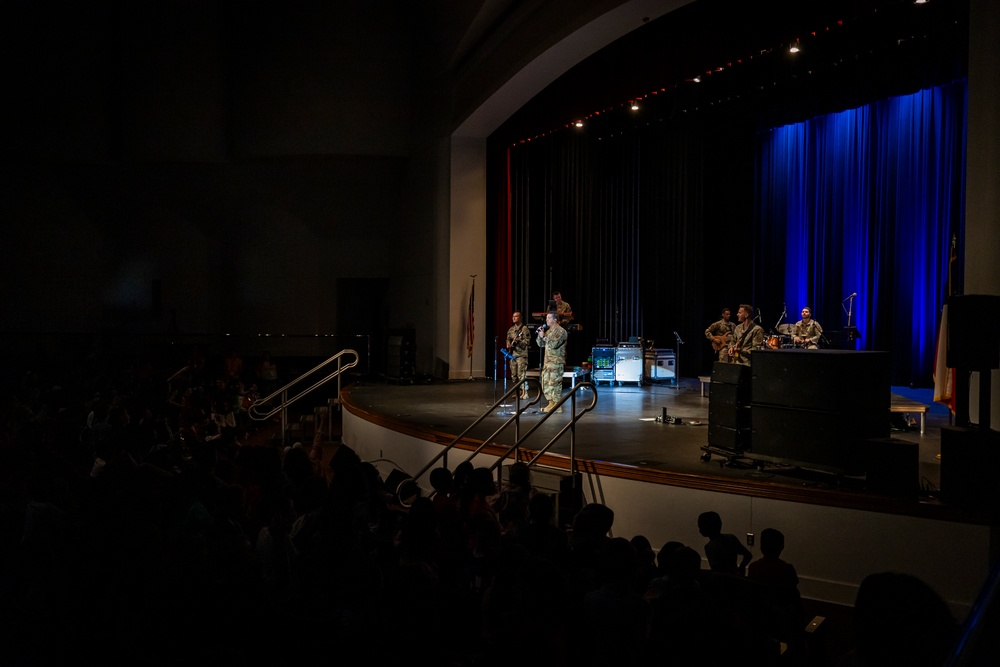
[(255, 411)]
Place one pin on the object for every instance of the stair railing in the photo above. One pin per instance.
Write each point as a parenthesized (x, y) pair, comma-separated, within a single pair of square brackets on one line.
[(259, 410), (515, 420)]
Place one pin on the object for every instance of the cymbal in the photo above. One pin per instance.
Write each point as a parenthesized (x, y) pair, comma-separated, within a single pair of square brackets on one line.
[(786, 329)]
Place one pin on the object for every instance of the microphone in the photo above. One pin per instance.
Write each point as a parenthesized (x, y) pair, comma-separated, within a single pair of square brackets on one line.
[(678, 336), (851, 296)]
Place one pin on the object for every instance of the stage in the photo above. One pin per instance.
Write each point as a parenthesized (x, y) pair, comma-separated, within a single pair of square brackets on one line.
[(626, 430)]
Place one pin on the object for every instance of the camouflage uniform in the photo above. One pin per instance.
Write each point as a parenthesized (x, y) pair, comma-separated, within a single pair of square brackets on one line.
[(564, 310), (518, 342), (725, 329), (554, 342), (811, 331), (752, 341)]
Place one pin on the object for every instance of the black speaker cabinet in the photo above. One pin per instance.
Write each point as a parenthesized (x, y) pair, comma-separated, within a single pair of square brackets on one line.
[(732, 439), (831, 380), (729, 394), (730, 373), (970, 468), (730, 416), (974, 332), (815, 439), (892, 467)]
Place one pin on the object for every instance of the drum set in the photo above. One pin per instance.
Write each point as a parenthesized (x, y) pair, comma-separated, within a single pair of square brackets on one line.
[(781, 340)]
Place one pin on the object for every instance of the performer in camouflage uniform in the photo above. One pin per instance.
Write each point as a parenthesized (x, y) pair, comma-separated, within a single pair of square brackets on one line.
[(518, 342), (553, 338), (721, 334), (747, 336), (807, 331)]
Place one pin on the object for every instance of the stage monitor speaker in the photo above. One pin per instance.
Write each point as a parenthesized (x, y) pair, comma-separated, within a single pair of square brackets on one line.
[(970, 468), (732, 439), (730, 416), (892, 467), (729, 394), (833, 380), (974, 332), (730, 373)]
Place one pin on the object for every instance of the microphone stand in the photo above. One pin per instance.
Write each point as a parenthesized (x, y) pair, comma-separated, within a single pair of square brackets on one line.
[(506, 373), (850, 307), (784, 314), (496, 340), (677, 360)]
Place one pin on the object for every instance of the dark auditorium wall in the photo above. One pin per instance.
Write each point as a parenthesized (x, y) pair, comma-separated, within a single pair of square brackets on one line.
[(208, 166)]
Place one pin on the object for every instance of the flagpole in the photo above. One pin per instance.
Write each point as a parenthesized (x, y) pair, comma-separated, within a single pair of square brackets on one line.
[(471, 324)]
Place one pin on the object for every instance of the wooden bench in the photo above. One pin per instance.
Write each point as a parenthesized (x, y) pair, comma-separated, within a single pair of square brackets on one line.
[(704, 380), (901, 404)]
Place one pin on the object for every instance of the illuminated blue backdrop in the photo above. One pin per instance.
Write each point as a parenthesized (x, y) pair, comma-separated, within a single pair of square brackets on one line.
[(866, 200)]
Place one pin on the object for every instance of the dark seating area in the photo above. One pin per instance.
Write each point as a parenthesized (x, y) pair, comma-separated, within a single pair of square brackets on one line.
[(147, 521)]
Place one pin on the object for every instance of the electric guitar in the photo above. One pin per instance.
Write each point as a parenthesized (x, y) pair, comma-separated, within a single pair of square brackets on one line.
[(734, 350), (719, 342)]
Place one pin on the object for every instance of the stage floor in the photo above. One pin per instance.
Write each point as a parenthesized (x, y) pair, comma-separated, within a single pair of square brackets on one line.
[(623, 428)]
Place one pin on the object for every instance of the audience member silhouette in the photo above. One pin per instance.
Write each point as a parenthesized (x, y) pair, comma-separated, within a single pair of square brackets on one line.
[(540, 536), (616, 618), (900, 620), (724, 551)]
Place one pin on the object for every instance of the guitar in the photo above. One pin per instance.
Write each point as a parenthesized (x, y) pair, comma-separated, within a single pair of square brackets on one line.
[(734, 350), (719, 342)]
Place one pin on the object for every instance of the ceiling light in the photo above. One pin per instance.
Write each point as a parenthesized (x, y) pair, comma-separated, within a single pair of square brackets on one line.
[(634, 105), (795, 47), (579, 123), (697, 79)]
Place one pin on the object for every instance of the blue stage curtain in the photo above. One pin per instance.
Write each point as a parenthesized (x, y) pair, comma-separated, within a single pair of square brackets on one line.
[(867, 200)]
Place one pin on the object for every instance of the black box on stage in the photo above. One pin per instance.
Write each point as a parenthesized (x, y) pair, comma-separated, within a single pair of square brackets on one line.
[(892, 467), (813, 438), (974, 331), (970, 467), (729, 394), (730, 373), (733, 439), (832, 380), (729, 415)]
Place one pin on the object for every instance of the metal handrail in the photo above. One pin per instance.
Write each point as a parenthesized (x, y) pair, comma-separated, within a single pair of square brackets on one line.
[(570, 425), (256, 410), (518, 439), (501, 401)]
